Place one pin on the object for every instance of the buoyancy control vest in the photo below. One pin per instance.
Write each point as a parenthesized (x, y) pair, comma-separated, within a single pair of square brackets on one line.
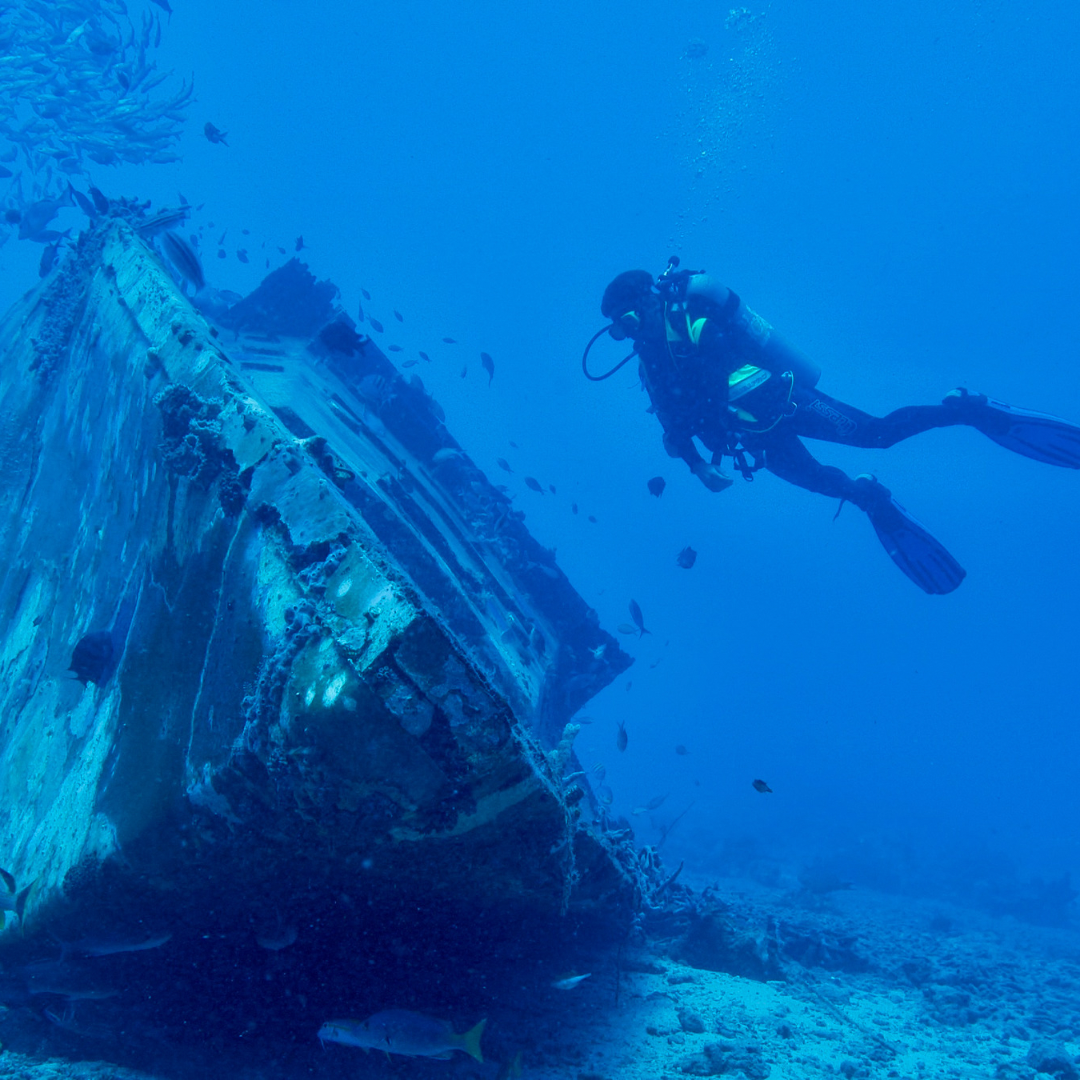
[(759, 390)]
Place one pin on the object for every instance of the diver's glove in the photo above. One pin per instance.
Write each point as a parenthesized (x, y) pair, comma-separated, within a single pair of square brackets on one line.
[(713, 478)]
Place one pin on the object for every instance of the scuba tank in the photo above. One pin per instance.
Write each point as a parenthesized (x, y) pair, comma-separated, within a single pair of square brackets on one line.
[(775, 354)]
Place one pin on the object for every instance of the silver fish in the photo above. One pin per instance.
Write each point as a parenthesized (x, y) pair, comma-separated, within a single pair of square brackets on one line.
[(398, 1031)]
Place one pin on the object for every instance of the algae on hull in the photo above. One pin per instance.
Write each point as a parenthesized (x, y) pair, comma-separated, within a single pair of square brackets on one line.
[(329, 639)]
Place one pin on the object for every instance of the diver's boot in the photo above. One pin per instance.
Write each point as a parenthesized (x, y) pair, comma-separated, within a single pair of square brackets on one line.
[(1035, 435), (908, 544)]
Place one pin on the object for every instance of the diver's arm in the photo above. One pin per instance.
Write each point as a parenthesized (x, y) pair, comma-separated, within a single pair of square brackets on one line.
[(679, 445)]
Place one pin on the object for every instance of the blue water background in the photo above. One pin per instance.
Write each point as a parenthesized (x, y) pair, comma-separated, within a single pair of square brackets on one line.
[(894, 188)]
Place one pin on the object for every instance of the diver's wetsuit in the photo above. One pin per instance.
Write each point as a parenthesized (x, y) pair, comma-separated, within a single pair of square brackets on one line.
[(688, 384), (718, 374), (819, 416)]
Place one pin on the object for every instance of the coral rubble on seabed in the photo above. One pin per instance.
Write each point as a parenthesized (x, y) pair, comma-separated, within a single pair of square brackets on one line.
[(945, 992)]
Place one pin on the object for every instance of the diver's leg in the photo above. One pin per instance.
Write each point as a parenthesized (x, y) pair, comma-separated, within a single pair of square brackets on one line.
[(908, 544), (819, 416), (785, 456)]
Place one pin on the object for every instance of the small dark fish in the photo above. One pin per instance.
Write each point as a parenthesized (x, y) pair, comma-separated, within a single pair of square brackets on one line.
[(221, 238), (242, 255), (424, 356), (464, 370), (398, 316), (533, 485), (621, 738), (489, 365), (687, 557), (503, 464), (375, 325), (514, 445), (36, 217), (592, 519), (449, 341), (760, 785), (551, 488), (221, 254), (92, 658), (394, 348), (48, 258), (639, 620), (214, 134), (281, 250), (409, 363), (657, 485), (182, 256), (246, 232), (681, 750), (85, 205), (573, 508), (363, 292), (300, 245)]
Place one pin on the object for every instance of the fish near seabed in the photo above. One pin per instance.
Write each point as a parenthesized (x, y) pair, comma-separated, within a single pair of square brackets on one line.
[(621, 738), (12, 898), (411, 1034)]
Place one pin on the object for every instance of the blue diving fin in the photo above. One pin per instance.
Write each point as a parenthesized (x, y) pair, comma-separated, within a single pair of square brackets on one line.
[(1035, 435), (910, 546)]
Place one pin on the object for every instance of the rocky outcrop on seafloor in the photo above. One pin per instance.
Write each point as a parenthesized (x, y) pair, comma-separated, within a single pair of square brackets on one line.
[(270, 638)]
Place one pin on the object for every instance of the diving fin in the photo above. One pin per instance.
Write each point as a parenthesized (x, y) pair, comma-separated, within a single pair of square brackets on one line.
[(1035, 435), (909, 545)]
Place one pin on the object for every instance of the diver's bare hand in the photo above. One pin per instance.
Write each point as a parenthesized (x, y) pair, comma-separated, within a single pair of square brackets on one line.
[(713, 478)]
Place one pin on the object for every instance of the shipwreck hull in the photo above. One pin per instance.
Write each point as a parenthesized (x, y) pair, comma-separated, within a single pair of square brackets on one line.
[(265, 623)]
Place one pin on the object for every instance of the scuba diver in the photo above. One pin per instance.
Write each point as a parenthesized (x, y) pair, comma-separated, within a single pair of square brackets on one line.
[(716, 371)]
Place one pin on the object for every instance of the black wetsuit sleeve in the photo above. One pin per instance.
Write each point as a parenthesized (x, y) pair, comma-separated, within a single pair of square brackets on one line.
[(678, 441)]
